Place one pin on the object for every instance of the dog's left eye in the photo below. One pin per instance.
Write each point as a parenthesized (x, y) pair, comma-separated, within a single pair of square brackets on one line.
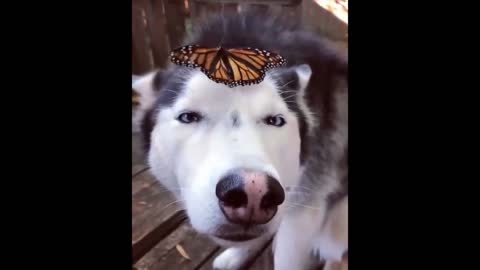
[(189, 117), (276, 120)]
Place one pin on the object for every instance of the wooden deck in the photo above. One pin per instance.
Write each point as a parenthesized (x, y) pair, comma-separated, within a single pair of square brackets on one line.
[(160, 228)]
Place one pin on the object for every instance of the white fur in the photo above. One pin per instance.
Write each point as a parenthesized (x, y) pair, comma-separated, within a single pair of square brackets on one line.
[(332, 241), (304, 73), (298, 228)]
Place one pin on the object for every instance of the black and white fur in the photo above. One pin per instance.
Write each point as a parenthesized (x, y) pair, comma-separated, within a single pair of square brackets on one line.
[(308, 154)]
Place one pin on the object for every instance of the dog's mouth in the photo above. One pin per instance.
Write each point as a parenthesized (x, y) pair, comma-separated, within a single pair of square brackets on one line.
[(234, 233), (241, 237)]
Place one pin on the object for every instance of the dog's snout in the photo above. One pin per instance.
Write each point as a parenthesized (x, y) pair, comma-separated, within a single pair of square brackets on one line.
[(249, 197)]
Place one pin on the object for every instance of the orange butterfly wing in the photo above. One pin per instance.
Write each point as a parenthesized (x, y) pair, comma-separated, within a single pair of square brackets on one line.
[(233, 67)]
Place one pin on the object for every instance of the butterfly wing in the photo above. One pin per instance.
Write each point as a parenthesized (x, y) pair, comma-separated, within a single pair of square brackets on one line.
[(238, 66), (194, 56), (249, 65)]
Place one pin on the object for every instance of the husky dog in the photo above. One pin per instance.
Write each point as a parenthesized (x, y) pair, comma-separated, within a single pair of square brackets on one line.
[(255, 161)]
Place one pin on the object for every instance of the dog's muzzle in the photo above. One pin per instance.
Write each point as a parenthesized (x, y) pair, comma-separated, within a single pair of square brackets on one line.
[(248, 197)]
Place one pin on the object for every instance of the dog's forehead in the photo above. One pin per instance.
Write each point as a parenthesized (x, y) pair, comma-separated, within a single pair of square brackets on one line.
[(199, 89)]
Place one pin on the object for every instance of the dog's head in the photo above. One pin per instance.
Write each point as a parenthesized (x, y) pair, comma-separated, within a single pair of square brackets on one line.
[(226, 152)]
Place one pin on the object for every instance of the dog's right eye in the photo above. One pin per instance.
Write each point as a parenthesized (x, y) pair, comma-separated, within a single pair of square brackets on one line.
[(189, 117)]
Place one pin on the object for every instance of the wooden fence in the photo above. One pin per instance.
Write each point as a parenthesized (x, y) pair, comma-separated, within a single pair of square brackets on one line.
[(160, 25)]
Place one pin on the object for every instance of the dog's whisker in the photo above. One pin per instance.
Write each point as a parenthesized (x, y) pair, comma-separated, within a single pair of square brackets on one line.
[(286, 98), (289, 82), (171, 190), (304, 187), (288, 91), (169, 90), (292, 205)]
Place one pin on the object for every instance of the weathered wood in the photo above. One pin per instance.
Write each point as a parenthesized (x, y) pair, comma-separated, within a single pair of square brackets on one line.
[(208, 264), (138, 168), (166, 256), (141, 181), (141, 61), (157, 31), (148, 241), (264, 261), (155, 212), (138, 153), (176, 13), (261, 259), (154, 256), (318, 19), (262, 2)]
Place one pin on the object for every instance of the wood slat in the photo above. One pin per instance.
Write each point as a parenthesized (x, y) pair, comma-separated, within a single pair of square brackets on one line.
[(166, 256), (155, 255), (176, 14), (154, 215), (319, 20), (157, 31), (148, 241), (138, 168), (151, 205), (140, 181), (141, 61), (262, 2), (139, 162), (264, 261), (208, 264)]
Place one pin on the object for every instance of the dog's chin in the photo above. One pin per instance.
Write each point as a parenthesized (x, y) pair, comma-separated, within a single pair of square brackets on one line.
[(231, 234), (236, 237)]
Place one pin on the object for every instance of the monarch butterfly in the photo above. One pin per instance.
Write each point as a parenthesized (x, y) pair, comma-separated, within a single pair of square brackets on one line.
[(232, 67)]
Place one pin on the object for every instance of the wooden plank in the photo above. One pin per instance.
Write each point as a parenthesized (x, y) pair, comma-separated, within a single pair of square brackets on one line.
[(155, 212), (319, 20), (141, 61), (176, 14), (138, 168), (208, 264), (138, 153), (151, 205), (140, 181), (157, 31), (264, 261), (162, 248), (165, 255), (148, 241), (139, 163), (261, 2)]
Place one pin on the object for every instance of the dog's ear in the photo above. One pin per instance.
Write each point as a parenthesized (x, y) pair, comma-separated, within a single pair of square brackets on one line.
[(304, 73), (145, 90)]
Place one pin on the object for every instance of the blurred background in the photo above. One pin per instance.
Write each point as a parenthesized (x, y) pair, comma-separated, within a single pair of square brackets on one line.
[(160, 25)]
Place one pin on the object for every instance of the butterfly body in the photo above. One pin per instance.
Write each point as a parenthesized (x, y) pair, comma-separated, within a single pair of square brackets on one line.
[(232, 67)]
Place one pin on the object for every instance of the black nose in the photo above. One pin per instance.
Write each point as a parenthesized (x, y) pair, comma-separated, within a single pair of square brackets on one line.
[(230, 191), (274, 196), (249, 197)]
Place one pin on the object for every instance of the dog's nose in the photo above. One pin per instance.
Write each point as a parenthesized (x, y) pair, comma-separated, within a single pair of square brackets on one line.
[(249, 197)]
